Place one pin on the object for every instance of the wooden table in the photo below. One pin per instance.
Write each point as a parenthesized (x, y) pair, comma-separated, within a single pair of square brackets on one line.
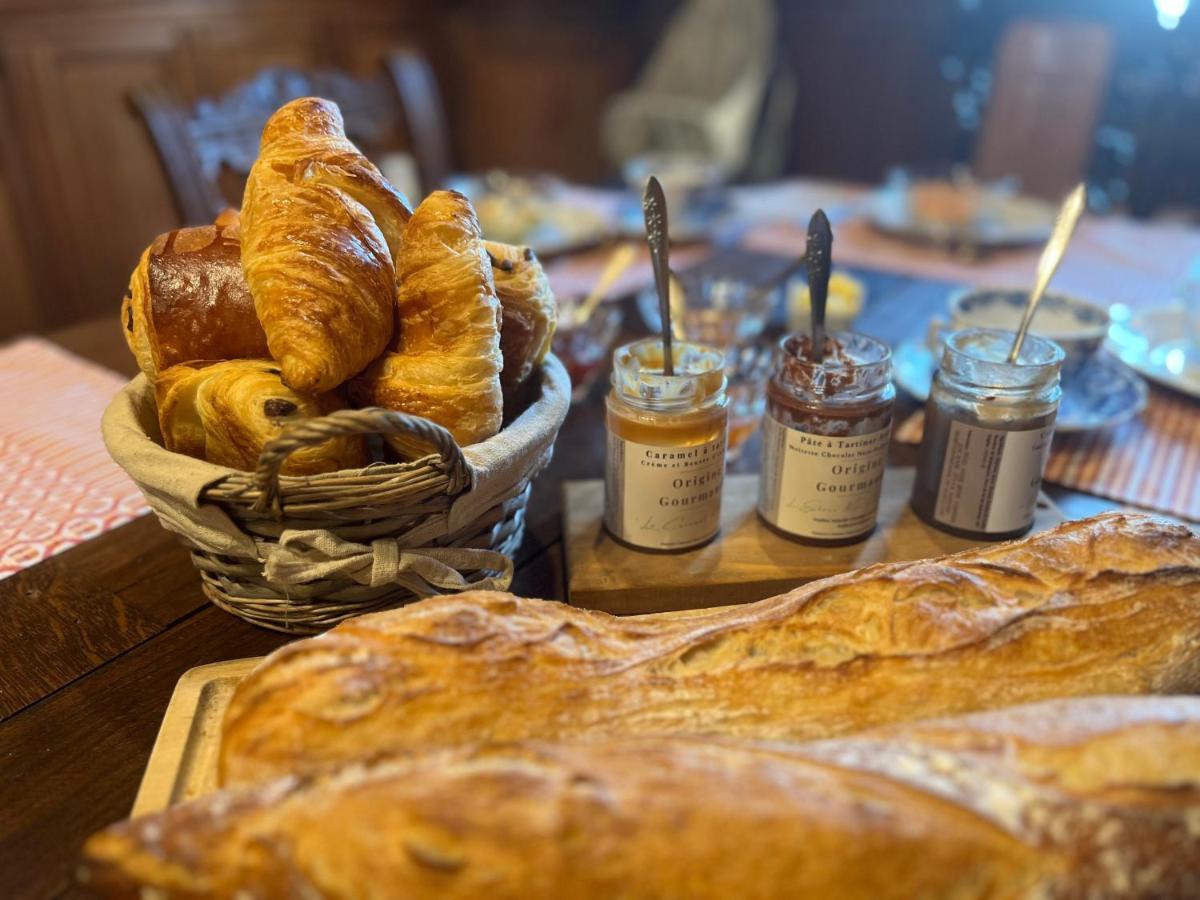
[(92, 641)]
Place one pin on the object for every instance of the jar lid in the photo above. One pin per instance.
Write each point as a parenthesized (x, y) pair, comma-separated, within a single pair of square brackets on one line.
[(638, 376), (979, 356)]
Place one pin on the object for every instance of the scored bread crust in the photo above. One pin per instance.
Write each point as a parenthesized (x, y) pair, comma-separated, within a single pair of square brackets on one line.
[(1068, 798), (1104, 605)]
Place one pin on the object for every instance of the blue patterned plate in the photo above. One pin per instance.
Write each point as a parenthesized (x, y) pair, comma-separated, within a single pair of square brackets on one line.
[(1101, 394)]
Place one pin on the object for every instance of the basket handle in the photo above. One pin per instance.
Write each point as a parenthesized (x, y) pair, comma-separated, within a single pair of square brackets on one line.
[(370, 420)]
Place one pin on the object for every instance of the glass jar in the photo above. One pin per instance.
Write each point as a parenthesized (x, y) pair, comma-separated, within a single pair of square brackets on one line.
[(825, 439), (988, 425), (666, 446)]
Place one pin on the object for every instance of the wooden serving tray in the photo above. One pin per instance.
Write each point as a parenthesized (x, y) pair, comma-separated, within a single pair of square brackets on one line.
[(748, 561), (183, 763)]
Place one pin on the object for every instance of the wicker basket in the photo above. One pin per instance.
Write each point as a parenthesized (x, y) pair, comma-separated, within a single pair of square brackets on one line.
[(300, 554)]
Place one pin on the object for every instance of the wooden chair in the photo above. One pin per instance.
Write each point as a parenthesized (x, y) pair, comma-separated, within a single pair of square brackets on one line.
[(1049, 80), (703, 88), (207, 148)]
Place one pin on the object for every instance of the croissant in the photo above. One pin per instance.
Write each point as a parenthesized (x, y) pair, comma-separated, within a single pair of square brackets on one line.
[(320, 230), (445, 361), (225, 412), (529, 310), (188, 300)]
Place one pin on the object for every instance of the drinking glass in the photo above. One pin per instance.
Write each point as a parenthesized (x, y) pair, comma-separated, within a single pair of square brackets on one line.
[(584, 347), (730, 315)]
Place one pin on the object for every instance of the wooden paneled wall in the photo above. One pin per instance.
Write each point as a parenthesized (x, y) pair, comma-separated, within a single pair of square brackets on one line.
[(82, 191), (525, 83)]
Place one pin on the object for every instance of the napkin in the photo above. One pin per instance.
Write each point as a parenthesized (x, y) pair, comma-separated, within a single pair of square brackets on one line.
[(58, 486)]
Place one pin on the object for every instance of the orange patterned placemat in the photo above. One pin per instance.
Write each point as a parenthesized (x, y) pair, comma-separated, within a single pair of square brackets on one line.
[(1152, 461), (58, 486)]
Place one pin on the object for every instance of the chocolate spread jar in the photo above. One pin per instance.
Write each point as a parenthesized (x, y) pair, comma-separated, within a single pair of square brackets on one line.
[(988, 425), (825, 439)]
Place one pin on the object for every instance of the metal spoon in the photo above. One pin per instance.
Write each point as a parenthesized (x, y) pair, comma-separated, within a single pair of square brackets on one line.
[(1064, 227), (817, 259), (654, 208)]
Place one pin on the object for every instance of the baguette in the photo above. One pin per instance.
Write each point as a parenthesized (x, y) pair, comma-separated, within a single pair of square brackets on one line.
[(1095, 797), (1106, 605)]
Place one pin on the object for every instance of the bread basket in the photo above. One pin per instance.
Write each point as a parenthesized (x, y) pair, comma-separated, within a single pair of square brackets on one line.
[(300, 554)]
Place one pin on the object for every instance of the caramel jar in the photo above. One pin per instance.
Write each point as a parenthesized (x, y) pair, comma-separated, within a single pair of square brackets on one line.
[(988, 425), (666, 446), (825, 439)]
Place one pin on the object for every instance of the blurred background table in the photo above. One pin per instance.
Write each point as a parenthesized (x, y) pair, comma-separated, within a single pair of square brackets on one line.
[(127, 118)]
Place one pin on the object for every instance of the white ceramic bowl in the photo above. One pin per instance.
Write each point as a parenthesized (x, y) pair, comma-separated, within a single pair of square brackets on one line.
[(1076, 325)]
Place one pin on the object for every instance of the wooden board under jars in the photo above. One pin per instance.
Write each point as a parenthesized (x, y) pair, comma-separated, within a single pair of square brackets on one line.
[(747, 561)]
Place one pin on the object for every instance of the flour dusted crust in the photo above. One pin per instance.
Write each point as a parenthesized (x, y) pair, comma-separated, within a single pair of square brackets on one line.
[(1094, 797), (1106, 605)]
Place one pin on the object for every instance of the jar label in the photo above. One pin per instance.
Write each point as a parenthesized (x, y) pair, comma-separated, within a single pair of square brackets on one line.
[(990, 478), (821, 486), (663, 498)]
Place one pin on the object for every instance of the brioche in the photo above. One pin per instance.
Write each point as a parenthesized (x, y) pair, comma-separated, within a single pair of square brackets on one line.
[(445, 361), (1104, 605), (528, 308), (1095, 797), (188, 300), (225, 412), (321, 228)]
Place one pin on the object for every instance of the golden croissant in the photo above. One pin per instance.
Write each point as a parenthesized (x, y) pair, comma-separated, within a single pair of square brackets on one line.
[(225, 412), (528, 307), (320, 231), (445, 361), (188, 300)]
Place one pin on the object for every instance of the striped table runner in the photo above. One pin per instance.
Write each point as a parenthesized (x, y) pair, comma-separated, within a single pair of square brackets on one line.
[(58, 486), (1152, 461)]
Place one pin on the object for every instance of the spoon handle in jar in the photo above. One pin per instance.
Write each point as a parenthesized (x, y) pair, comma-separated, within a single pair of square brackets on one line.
[(1064, 227), (817, 259), (654, 208)]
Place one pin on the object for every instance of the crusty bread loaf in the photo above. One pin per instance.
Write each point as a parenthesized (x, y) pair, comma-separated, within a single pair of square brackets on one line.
[(1106, 605), (1091, 797)]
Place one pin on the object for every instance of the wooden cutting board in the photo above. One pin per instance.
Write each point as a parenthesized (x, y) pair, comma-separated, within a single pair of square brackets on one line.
[(747, 561), (183, 763)]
